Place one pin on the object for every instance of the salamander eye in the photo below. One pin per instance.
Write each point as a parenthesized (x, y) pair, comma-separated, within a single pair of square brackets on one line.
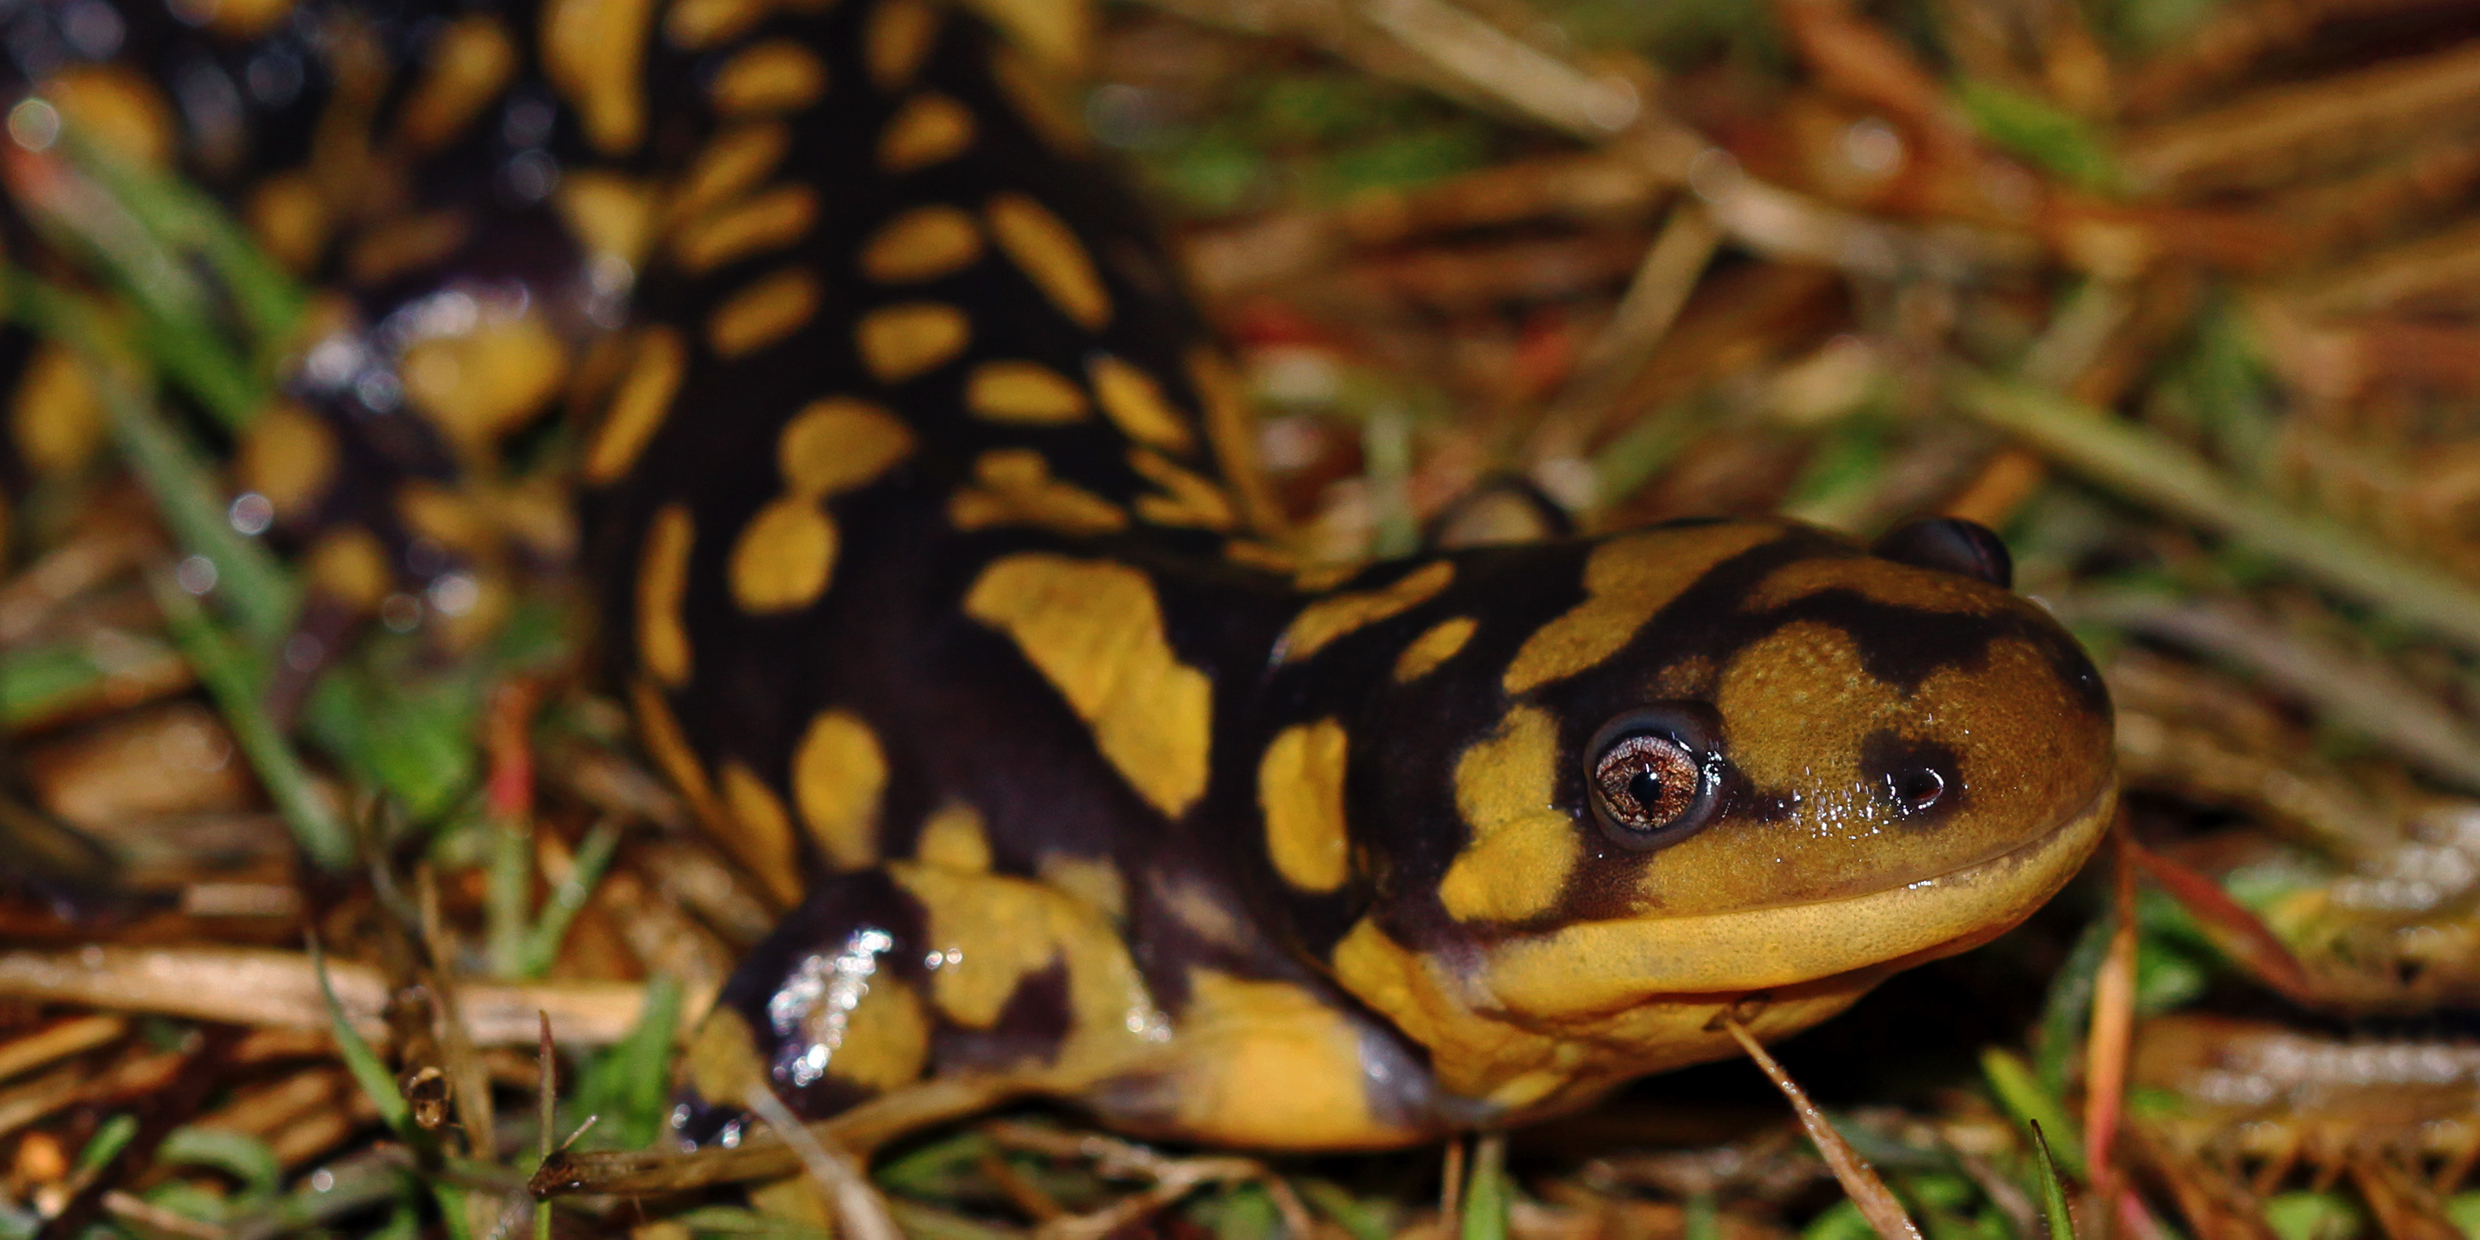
[(1653, 775)]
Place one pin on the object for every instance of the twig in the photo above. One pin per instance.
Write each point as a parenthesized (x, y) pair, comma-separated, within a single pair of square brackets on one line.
[(858, 1207), (1859, 1180)]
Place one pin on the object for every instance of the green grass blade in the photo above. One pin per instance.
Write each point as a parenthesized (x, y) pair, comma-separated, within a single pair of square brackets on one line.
[(2020, 1093), (2053, 1191)]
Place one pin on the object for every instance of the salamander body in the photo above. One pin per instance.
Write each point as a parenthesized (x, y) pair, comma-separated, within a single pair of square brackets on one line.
[(940, 579)]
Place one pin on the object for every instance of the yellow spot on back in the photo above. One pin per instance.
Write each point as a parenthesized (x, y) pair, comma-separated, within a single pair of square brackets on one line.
[(695, 25), (594, 51), (930, 129), (1093, 880), (1027, 393), (348, 564), (1626, 580), (248, 19), (479, 386), (736, 160), (289, 217), (1443, 641), (954, 839), (464, 71), (899, 35), (645, 395), (837, 444), (1135, 402), (1014, 486), (1095, 631), (669, 746), (884, 1042), (901, 341), (1048, 252), (1040, 98), (769, 221), (1300, 791), (763, 844), (838, 774), (1522, 846), (608, 213), (117, 108), (1321, 622), (772, 77), (1189, 500), (405, 244), (57, 422), (922, 244), (662, 582), (1232, 429), (763, 313), (783, 557)]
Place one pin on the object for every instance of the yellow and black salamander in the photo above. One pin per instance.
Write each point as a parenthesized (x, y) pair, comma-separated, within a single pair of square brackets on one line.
[(936, 564)]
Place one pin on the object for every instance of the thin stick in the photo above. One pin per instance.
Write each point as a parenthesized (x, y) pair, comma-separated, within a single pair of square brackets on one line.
[(2113, 1030), (858, 1206), (1859, 1180)]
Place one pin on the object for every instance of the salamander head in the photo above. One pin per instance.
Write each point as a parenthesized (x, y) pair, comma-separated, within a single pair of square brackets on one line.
[(1732, 763)]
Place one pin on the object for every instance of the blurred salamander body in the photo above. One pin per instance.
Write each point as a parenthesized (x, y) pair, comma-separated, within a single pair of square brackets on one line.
[(941, 581)]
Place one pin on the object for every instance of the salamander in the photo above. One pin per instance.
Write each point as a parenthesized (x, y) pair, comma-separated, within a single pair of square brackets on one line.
[(940, 579)]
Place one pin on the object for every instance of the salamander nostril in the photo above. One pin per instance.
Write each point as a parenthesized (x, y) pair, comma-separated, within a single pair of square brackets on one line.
[(1919, 788)]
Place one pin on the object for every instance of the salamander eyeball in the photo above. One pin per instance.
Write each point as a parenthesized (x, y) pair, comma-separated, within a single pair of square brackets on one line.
[(1950, 544), (1655, 774)]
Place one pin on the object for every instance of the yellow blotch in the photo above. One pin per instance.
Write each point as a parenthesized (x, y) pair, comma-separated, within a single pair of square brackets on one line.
[(481, 385), (1136, 403), (1874, 580), (838, 444), (783, 557), (662, 582), (1258, 555), (1095, 630), (453, 518), (288, 216), (898, 37), (885, 1041), (1270, 1064), (1093, 880), (769, 221), (901, 341), (1522, 846), (736, 160), (1040, 98), (1443, 641), (1048, 252), (1025, 393), (248, 19), (116, 108), (1014, 486), (930, 129), (405, 244), (1300, 791), (1626, 580), (1321, 622), (1232, 429), (464, 70), (695, 25), (721, 1062), (838, 775), (57, 421), (776, 76), (763, 844), (607, 213), (993, 932), (763, 313), (1188, 499), (955, 839), (594, 52), (660, 732), (922, 244), (645, 395), (350, 566)]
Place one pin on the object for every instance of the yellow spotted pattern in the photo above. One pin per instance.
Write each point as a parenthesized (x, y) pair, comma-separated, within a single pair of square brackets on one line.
[(903, 341), (1024, 393), (1014, 486), (1334, 616), (645, 395), (768, 78), (1300, 793), (930, 129), (1135, 401), (839, 773), (1046, 249), (763, 313), (1095, 630), (662, 585), (922, 244)]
